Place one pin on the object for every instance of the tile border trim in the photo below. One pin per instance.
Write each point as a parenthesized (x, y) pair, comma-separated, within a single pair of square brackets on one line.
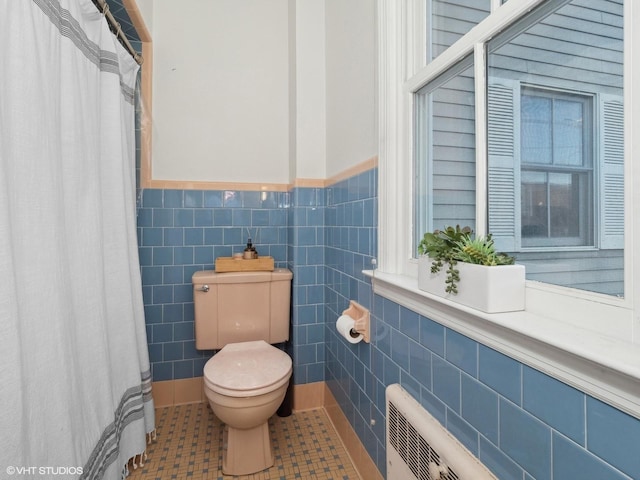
[(360, 458), (147, 182), (357, 169)]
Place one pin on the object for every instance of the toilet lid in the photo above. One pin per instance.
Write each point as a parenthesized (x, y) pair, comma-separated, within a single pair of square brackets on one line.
[(242, 369)]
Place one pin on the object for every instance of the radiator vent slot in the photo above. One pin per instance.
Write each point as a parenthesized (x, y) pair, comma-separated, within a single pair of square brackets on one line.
[(419, 448), (413, 449)]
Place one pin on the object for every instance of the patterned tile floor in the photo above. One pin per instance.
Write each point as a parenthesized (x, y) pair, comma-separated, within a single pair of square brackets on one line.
[(189, 446)]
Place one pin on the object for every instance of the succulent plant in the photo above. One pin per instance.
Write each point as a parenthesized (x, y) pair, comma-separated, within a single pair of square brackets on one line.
[(456, 244), (480, 251)]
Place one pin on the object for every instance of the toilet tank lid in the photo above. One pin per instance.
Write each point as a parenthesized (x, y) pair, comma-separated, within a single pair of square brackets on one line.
[(211, 276)]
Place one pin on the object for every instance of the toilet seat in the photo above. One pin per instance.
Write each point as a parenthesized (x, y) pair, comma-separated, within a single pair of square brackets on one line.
[(247, 369)]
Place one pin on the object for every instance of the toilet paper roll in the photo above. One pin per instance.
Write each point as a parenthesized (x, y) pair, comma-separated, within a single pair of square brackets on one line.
[(345, 324)]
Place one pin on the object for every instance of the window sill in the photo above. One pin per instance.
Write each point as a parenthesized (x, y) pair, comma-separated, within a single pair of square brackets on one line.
[(604, 367)]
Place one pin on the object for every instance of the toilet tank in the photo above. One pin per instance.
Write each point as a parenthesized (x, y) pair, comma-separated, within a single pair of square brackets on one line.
[(241, 306)]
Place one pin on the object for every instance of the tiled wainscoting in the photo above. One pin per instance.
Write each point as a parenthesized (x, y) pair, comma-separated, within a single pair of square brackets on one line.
[(520, 422), (183, 231)]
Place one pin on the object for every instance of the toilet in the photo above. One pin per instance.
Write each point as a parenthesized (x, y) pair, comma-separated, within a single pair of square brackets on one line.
[(242, 314)]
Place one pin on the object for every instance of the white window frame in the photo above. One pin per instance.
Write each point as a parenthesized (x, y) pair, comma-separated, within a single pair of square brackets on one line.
[(580, 241), (590, 341)]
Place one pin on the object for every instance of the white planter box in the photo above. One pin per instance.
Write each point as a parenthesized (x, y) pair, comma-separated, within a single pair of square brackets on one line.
[(489, 289)]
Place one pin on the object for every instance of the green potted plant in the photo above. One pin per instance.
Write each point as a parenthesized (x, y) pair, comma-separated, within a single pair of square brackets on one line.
[(455, 264)]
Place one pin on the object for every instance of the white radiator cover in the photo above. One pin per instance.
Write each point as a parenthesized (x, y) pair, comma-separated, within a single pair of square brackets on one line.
[(420, 448)]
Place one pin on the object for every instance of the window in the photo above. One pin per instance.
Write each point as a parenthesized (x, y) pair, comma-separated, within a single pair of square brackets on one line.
[(450, 20), (555, 169), (445, 154), (551, 197), (513, 61), (554, 164), (555, 104)]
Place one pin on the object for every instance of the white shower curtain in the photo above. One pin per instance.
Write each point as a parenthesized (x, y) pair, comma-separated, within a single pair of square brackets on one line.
[(74, 369)]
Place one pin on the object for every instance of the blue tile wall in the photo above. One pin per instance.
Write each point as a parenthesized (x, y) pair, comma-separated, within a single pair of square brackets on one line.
[(351, 243), (521, 423), (307, 259), (183, 231)]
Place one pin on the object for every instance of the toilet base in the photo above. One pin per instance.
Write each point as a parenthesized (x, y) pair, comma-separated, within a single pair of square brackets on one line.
[(246, 450)]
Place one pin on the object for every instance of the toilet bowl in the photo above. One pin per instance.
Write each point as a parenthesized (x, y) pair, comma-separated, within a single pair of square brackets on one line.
[(245, 384)]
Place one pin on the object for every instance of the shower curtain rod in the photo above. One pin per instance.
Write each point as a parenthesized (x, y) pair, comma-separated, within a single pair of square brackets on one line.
[(117, 30)]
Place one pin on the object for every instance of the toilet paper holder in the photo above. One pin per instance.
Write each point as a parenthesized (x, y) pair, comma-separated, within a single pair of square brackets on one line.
[(361, 317)]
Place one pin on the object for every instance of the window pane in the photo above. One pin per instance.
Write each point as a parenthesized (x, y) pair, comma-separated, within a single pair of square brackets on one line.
[(536, 129), (535, 205), (553, 214), (445, 151), (555, 97), (567, 132), (564, 211), (450, 20)]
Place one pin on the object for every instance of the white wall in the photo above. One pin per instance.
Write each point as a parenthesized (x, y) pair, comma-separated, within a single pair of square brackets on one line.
[(351, 83), (311, 138), (221, 91), (262, 91)]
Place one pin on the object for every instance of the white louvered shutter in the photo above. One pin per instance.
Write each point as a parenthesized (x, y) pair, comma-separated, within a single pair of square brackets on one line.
[(611, 172), (504, 162)]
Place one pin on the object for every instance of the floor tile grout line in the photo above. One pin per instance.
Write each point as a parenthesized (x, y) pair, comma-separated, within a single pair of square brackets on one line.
[(188, 446)]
